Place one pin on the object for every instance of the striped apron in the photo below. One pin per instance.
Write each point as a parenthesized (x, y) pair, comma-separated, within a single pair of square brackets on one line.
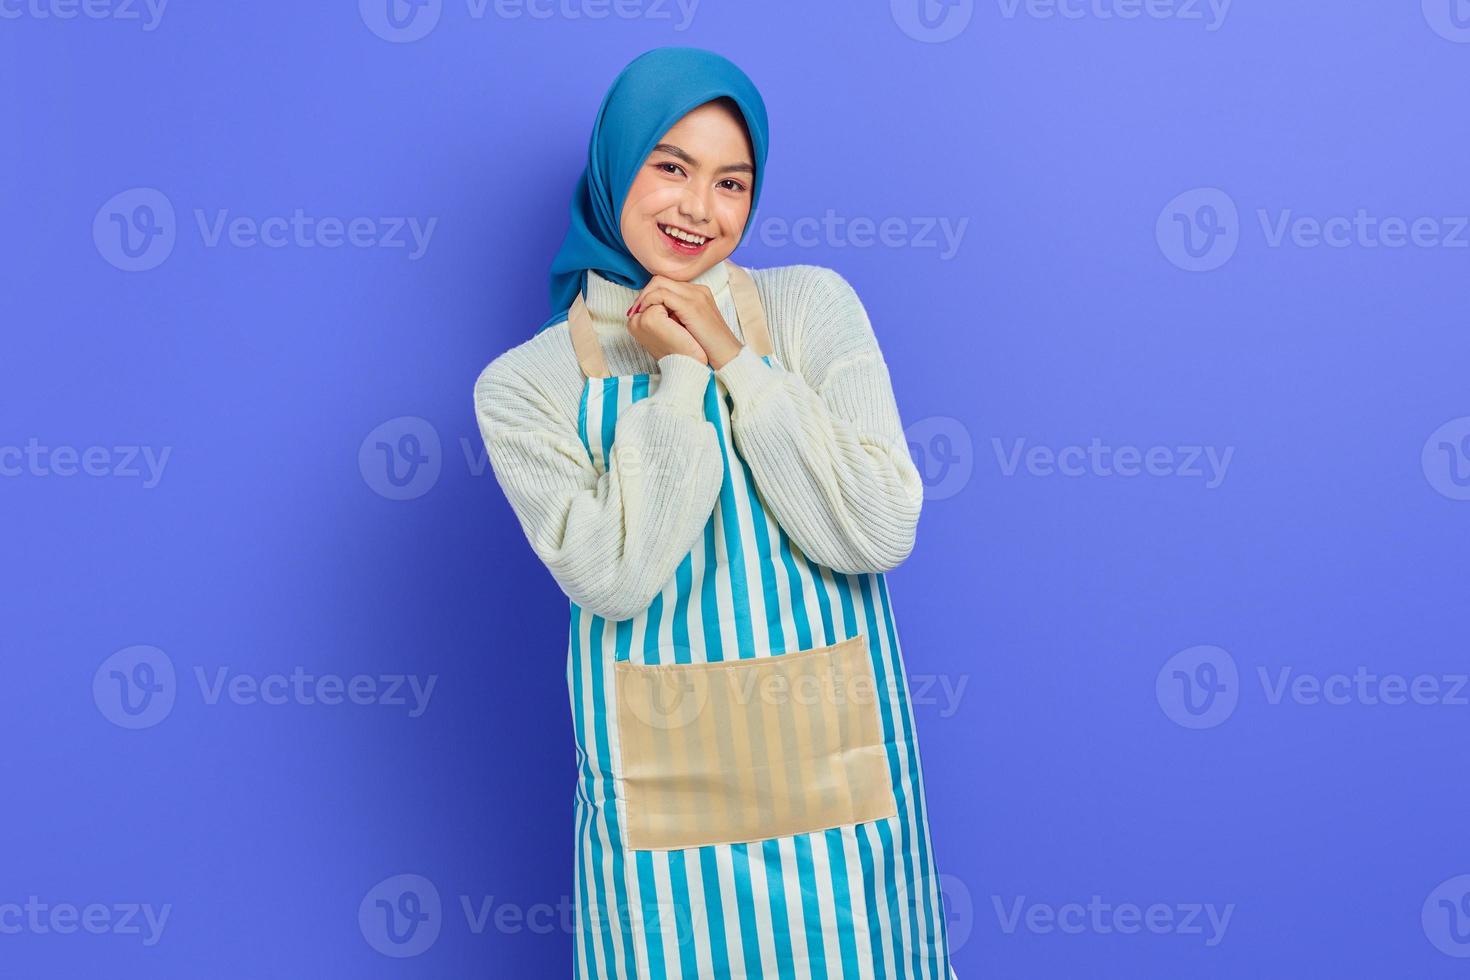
[(726, 827)]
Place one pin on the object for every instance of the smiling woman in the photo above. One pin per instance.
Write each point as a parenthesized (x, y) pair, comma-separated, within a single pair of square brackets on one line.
[(710, 462)]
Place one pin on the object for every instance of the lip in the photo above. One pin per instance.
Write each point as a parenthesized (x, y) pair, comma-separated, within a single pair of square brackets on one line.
[(676, 246)]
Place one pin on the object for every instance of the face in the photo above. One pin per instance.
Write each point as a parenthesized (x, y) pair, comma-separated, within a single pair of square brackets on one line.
[(695, 184)]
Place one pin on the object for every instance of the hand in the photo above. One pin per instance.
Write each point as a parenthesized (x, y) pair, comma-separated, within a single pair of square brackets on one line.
[(660, 334), (694, 308)]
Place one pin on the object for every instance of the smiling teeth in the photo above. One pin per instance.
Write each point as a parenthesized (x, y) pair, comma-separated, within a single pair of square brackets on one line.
[(683, 236)]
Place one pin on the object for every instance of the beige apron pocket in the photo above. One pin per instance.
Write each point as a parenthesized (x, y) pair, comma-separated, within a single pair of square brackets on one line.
[(747, 750)]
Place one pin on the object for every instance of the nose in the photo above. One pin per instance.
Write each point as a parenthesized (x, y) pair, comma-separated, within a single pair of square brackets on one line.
[(694, 207)]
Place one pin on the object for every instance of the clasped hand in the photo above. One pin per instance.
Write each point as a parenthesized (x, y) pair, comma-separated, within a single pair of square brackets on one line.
[(672, 317)]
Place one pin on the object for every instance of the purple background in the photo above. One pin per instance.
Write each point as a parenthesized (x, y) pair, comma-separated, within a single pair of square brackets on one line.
[(1060, 773)]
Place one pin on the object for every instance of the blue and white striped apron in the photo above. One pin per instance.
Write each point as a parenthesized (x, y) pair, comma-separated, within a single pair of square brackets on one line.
[(853, 902)]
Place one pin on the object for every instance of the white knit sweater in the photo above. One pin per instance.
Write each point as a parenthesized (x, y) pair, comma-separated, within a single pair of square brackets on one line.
[(820, 431)]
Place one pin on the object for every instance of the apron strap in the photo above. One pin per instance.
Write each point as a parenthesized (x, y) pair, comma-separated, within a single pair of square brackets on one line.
[(748, 309), (584, 340)]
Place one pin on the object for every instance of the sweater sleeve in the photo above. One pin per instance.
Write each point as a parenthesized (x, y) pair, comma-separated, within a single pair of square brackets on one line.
[(611, 540), (824, 440)]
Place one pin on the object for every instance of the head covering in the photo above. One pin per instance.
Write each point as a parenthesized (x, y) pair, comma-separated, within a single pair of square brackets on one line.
[(650, 95)]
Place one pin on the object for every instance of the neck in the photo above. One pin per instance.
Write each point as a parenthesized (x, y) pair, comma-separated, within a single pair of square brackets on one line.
[(608, 301)]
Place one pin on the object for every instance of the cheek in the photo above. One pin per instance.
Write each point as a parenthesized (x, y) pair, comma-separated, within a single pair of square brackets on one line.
[(733, 215), (648, 201)]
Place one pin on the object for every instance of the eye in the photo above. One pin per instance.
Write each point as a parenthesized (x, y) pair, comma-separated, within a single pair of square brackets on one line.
[(735, 185), (675, 166)]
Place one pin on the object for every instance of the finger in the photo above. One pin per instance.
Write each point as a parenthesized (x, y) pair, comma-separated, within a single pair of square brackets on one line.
[(658, 296), (661, 286)]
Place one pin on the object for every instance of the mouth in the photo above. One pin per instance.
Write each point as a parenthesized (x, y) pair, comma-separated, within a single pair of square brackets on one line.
[(683, 241)]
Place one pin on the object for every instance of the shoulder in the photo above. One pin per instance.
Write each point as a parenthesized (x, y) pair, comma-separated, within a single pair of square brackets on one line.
[(801, 287), (814, 313), (541, 370)]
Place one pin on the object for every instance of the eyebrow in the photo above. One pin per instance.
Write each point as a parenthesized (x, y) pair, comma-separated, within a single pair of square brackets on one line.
[(675, 151)]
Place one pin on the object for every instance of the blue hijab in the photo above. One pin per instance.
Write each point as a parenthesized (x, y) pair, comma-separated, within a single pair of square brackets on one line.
[(644, 102)]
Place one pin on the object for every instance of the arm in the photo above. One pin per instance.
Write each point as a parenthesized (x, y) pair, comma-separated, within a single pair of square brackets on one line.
[(824, 440), (610, 540)]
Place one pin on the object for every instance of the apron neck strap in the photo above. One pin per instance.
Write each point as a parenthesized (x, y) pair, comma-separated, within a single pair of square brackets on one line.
[(748, 309), (584, 340)]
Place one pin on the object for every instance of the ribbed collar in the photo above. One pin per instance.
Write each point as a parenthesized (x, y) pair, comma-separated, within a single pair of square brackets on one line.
[(608, 301)]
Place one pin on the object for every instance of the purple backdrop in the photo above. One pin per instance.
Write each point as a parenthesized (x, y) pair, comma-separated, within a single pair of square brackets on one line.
[(1173, 294)]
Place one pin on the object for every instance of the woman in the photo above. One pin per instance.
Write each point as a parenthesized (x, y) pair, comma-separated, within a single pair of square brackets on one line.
[(710, 462)]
